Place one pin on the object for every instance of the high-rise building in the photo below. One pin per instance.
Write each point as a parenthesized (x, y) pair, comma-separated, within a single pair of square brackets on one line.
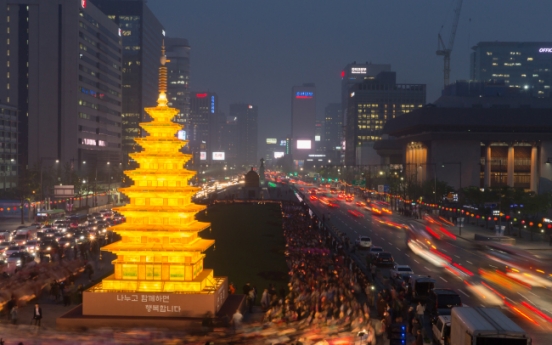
[(332, 131), (303, 120), (523, 65), (178, 77), (247, 117), (230, 139), (142, 36), (8, 147), (62, 71), (370, 105), (203, 116)]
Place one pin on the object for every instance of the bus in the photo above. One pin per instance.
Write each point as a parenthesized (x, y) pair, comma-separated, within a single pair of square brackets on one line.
[(49, 216)]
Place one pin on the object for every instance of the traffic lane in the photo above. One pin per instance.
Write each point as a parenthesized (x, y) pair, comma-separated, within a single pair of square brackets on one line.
[(396, 245)]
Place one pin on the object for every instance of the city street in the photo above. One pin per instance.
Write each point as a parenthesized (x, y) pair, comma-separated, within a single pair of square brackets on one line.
[(460, 251)]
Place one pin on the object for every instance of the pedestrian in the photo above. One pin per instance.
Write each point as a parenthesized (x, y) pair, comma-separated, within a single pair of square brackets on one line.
[(419, 338), (373, 270), (265, 300), (420, 310), (11, 303), (231, 289), (37, 315), (14, 312), (252, 295), (237, 320)]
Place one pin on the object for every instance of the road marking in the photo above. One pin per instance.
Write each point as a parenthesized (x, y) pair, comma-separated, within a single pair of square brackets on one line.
[(427, 268), (465, 294), (493, 266), (471, 263), (389, 243), (398, 249), (417, 261), (457, 256), (407, 255), (483, 305), (443, 279)]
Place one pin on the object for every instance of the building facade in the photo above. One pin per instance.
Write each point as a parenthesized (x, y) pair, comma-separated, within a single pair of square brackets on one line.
[(8, 147), (246, 116), (523, 65), (62, 71), (203, 116), (481, 147), (333, 127), (178, 77), (142, 35), (370, 105), (303, 120)]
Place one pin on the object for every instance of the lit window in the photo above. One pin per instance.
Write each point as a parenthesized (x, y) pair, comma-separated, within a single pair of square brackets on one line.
[(529, 59)]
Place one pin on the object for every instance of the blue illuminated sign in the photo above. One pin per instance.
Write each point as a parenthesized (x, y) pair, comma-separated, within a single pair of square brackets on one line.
[(304, 94), (212, 104)]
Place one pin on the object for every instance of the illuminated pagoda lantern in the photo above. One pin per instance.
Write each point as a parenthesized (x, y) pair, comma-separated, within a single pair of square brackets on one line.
[(159, 265)]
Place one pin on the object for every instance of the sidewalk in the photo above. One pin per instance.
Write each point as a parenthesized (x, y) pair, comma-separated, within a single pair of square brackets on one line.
[(54, 309), (12, 222)]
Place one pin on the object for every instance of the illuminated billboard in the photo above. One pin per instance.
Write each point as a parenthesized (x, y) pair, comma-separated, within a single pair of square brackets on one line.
[(316, 138), (283, 143), (304, 144), (304, 94), (271, 141), (182, 135), (278, 155), (201, 95), (358, 70), (218, 156), (202, 156)]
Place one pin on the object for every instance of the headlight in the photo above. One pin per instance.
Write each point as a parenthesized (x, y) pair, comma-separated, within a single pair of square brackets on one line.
[(48, 248)]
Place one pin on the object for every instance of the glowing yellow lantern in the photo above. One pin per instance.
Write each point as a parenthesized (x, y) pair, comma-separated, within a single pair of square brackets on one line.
[(160, 250)]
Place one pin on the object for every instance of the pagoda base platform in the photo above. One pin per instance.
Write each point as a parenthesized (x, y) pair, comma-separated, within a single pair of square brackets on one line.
[(74, 319), (100, 302)]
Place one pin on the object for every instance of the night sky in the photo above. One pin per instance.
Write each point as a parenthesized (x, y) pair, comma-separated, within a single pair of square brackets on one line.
[(254, 51)]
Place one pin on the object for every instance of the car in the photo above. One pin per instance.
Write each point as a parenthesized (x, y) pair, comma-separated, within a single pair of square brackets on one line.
[(49, 232), (36, 225), (60, 225), (360, 204), (13, 249), (384, 259), (21, 227), (441, 330), (20, 258), (32, 246), (355, 213), (363, 242), (401, 270), (374, 250), (48, 246), (67, 242), (441, 301), (5, 245)]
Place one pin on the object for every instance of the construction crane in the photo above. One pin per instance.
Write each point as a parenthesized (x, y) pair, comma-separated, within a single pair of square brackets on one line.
[(446, 50)]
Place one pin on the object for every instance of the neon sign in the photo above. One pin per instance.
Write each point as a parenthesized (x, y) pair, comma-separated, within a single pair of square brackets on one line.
[(358, 70), (545, 50), (304, 94), (201, 95), (83, 3), (212, 104)]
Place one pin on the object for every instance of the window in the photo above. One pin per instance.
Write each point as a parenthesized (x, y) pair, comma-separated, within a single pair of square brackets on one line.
[(153, 272), (130, 271), (176, 272), (529, 59)]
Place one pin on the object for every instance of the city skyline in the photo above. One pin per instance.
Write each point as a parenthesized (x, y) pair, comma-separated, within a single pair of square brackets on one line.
[(289, 44)]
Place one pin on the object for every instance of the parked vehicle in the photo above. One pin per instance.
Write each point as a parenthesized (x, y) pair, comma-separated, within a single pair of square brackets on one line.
[(441, 330), (419, 287), (473, 326), (374, 250), (403, 271), (384, 259), (363, 242), (441, 301)]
